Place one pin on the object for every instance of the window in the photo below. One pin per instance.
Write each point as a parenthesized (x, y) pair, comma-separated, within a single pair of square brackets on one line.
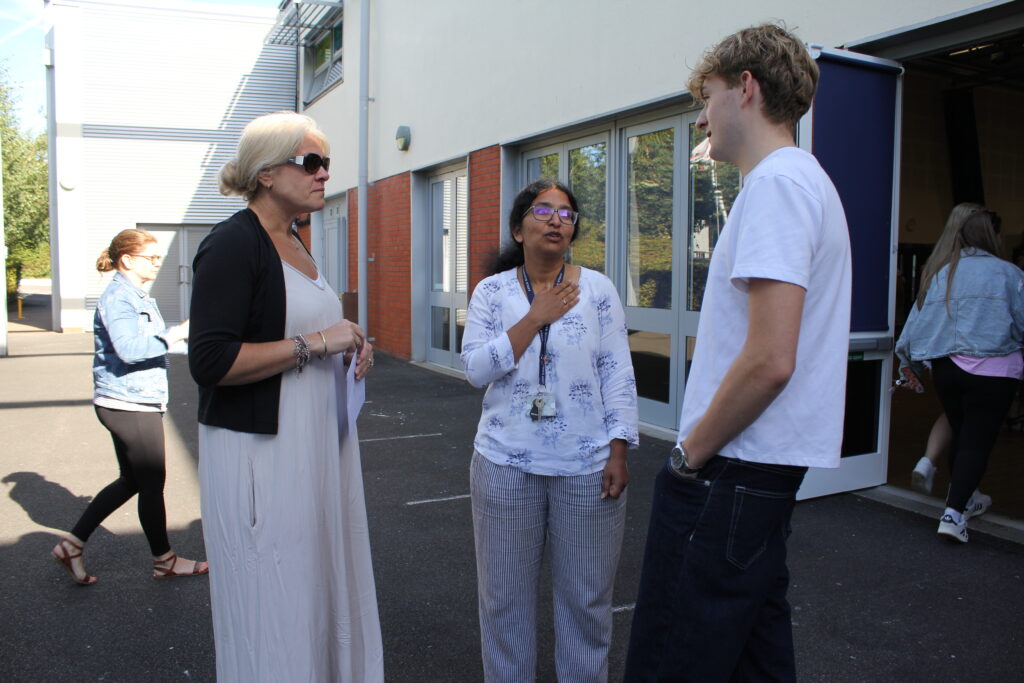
[(323, 65), (582, 165)]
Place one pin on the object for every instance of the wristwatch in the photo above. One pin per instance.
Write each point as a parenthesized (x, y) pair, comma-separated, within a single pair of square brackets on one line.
[(679, 463)]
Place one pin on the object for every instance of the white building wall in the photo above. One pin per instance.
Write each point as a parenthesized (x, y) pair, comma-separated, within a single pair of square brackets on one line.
[(465, 74), (150, 99)]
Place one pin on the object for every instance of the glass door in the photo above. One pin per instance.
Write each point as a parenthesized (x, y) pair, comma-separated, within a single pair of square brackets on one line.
[(652, 221), (449, 245), (712, 187), (334, 246), (676, 203)]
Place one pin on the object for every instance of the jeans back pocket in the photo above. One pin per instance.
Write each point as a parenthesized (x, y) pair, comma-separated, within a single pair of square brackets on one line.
[(756, 515)]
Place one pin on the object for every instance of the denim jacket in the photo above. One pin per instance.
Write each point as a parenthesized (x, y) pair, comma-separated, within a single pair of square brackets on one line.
[(131, 354), (985, 317)]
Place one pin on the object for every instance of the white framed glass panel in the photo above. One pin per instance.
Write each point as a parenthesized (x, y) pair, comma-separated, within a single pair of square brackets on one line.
[(650, 235), (651, 353), (713, 188), (650, 190), (588, 180), (543, 166), (322, 52), (440, 324), (449, 266), (440, 234)]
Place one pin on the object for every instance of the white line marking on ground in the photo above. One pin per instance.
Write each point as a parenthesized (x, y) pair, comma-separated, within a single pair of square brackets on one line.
[(437, 500), (624, 608), (409, 436)]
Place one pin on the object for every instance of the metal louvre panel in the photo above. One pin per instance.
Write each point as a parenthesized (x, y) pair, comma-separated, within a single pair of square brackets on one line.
[(158, 111), (461, 233), (176, 113)]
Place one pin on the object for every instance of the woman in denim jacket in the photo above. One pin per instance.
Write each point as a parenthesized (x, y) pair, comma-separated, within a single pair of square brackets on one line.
[(968, 321), (130, 378)]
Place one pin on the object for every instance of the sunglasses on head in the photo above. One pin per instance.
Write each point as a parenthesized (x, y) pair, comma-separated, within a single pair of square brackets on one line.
[(310, 162)]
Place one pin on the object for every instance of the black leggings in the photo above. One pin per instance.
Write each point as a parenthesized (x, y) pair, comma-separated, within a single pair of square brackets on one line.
[(139, 445), (976, 407)]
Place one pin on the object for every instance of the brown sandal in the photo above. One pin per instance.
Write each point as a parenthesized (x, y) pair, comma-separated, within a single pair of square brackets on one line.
[(159, 572), (63, 557)]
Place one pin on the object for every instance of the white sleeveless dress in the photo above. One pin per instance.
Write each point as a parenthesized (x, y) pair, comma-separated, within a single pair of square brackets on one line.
[(284, 519)]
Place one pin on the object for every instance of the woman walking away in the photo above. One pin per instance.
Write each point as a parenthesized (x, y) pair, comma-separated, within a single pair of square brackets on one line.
[(282, 489), (548, 340), (130, 378), (968, 320)]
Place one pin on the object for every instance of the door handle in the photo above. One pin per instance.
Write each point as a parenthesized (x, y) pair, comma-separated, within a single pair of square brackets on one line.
[(184, 275)]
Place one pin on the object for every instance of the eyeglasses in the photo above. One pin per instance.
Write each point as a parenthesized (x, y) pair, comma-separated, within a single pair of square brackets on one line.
[(310, 162), (154, 259), (543, 213)]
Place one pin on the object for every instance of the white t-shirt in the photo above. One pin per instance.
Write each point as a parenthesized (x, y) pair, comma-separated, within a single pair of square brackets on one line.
[(590, 375), (787, 224)]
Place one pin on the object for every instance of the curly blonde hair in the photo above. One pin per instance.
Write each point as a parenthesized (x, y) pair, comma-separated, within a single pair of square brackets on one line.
[(787, 74)]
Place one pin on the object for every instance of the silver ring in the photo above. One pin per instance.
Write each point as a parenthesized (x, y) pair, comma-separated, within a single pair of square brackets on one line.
[(371, 361), (564, 302)]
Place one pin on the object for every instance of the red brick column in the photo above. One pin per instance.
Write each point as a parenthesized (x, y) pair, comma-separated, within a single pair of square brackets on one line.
[(389, 274), (484, 211)]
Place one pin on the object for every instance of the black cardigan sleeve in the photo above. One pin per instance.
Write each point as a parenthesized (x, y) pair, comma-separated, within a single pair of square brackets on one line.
[(238, 295), (222, 293)]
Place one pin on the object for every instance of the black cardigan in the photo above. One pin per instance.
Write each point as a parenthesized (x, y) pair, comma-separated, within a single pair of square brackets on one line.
[(238, 295)]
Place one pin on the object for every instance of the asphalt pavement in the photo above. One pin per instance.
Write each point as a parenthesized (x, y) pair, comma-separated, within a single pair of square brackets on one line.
[(877, 596)]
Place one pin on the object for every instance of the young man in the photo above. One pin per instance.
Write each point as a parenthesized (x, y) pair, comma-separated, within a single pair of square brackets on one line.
[(765, 396)]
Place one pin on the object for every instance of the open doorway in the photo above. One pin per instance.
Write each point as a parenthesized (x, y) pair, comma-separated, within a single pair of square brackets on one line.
[(962, 141)]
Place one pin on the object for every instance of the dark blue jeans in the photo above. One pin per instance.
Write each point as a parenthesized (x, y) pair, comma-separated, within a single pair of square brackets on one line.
[(712, 599)]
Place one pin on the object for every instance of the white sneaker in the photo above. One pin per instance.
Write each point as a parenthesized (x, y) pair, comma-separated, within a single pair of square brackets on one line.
[(923, 476), (948, 527), (977, 505)]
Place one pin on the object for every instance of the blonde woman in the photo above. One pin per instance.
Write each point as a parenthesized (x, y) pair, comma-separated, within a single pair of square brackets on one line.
[(282, 495), (968, 321), (130, 377)]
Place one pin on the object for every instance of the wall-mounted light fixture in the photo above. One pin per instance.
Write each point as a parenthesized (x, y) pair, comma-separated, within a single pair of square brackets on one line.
[(402, 138)]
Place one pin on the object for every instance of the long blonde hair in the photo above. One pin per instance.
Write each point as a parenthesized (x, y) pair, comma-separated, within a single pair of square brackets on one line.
[(969, 226)]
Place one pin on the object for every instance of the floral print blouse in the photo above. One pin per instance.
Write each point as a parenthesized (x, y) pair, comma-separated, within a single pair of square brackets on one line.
[(589, 372)]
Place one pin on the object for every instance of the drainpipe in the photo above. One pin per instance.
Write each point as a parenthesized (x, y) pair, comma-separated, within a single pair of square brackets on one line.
[(364, 122)]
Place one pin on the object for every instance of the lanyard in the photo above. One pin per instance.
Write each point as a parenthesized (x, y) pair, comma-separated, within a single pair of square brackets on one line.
[(547, 328)]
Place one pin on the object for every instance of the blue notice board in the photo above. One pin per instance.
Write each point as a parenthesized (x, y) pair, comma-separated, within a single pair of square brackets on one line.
[(854, 139)]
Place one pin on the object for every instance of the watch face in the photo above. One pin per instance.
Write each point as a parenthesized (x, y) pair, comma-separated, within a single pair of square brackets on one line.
[(677, 458)]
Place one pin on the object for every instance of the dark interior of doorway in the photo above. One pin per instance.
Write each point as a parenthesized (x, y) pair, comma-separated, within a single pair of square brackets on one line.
[(994, 63)]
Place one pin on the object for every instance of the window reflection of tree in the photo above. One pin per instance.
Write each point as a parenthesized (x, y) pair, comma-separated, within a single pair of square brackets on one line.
[(713, 189), (649, 196)]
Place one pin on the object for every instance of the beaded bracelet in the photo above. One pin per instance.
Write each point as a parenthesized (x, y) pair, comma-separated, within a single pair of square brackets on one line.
[(301, 352)]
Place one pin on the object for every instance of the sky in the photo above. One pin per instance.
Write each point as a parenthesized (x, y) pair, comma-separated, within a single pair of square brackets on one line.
[(21, 52)]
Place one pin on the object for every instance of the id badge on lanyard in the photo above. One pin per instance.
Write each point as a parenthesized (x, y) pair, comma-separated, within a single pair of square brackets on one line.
[(542, 404)]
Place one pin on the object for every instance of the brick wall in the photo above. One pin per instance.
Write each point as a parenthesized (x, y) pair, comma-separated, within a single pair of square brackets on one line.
[(484, 211), (389, 274), (389, 237)]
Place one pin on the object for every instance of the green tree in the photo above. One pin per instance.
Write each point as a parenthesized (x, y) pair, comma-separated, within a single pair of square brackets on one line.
[(26, 195)]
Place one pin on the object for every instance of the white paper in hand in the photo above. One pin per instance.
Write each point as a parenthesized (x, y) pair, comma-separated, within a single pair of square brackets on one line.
[(350, 393)]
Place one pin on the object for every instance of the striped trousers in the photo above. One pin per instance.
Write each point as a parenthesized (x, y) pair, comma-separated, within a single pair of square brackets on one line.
[(514, 515)]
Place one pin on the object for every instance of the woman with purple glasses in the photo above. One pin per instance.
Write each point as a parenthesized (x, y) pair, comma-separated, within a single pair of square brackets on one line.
[(282, 494), (548, 340)]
